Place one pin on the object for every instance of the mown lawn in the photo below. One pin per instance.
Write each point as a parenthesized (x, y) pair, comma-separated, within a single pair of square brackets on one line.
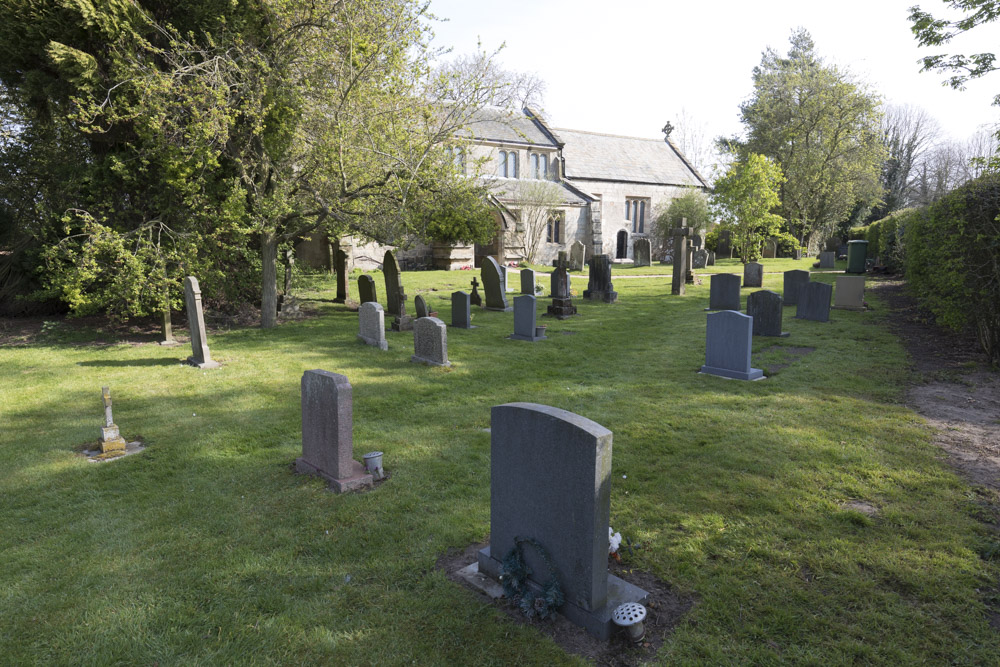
[(208, 549), (720, 266)]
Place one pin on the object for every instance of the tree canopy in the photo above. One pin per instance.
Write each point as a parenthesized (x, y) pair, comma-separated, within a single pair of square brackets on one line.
[(743, 200)]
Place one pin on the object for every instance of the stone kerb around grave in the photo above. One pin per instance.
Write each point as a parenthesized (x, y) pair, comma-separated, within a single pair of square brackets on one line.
[(550, 481)]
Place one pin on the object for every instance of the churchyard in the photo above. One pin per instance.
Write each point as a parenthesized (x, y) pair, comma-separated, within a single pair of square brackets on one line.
[(806, 516)]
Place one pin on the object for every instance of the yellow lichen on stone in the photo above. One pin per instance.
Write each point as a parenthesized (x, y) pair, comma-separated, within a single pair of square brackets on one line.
[(114, 445)]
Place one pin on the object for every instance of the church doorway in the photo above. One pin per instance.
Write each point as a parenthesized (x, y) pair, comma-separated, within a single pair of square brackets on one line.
[(622, 252)]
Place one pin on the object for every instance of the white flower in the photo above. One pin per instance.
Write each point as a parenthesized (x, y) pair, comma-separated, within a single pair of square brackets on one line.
[(614, 540)]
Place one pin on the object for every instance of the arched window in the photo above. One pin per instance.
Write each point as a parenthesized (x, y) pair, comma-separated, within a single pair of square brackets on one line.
[(511, 164), (543, 166), (534, 165), (635, 211), (502, 164)]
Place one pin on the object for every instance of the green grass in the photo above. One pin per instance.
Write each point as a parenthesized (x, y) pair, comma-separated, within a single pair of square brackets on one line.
[(207, 549), (720, 266)]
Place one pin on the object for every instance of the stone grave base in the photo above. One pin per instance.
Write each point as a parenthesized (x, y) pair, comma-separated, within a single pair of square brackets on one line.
[(380, 344), (203, 364), (530, 339), (561, 309), (754, 374), (508, 309), (856, 309), (606, 297), (358, 479), (783, 334), (97, 456), (456, 326), (430, 362), (403, 323), (169, 343), (597, 622)]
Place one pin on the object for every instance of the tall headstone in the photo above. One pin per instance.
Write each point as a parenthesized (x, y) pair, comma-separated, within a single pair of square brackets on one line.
[(828, 260), (550, 481), (814, 302), (794, 282), (430, 342), (724, 292), (679, 278), (577, 256), (765, 307), (461, 311), (641, 252), (524, 319), (493, 286), (167, 328), (111, 440), (728, 345), (725, 245), (699, 259), (562, 305), (850, 293), (328, 432), (200, 355), (343, 287), (420, 306), (753, 274), (600, 287), (371, 325), (503, 279), (688, 274), (394, 299), (527, 281), (366, 289), (475, 299)]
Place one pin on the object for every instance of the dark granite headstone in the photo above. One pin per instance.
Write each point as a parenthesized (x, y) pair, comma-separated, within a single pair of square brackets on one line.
[(493, 286), (600, 287), (724, 292), (814, 302), (394, 299), (527, 281), (200, 355), (641, 252), (753, 274), (524, 319), (340, 265), (765, 309), (420, 306), (725, 245), (728, 345), (550, 480), (711, 259), (461, 311), (562, 305), (828, 260), (366, 289), (696, 241), (680, 254), (794, 282), (430, 342), (474, 298), (327, 432), (699, 259)]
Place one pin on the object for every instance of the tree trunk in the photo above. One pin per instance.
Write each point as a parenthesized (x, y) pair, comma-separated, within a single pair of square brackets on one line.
[(269, 280)]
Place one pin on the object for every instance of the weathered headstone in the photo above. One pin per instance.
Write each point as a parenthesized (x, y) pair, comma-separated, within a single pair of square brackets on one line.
[(679, 278), (366, 289), (430, 342), (765, 307), (111, 440), (724, 292), (562, 305), (794, 282), (641, 252), (402, 322), (343, 287), (728, 345), (493, 286), (770, 249), (699, 259), (371, 325), (577, 256), (475, 299), (200, 355), (524, 319), (696, 241), (527, 281), (503, 279), (394, 299), (711, 259), (167, 328), (550, 481), (753, 274), (600, 287), (828, 260), (328, 432), (420, 306), (461, 311), (688, 274), (725, 245), (850, 293), (814, 302)]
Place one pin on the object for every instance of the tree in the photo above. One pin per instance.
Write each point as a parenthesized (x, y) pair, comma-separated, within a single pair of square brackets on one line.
[(537, 203), (930, 31), (907, 133), (691, 206), (743, 200), (822, 128), (693, 140)]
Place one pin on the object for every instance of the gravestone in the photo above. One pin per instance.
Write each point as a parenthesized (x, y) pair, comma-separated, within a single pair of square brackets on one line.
[(725, 245), (343, 287), (562, 306), (402, 322), (111, 440), (371, 325), (493, 286), (699, 259), (728, 345), (850, 293), (814, 302), (561, 260), (765, 307), (394, 299), (688, 274), (724, 292), (770, 249), (366, 289), (503, 279), (577, 256), (430, 342), (550, 481), (828, 260), (474, 298), (753, 274), (679, 278), (167, 328), (524, 319), (696, 241), (641, 252), (420, 306), (461, 311), (328, 432), (527, 281), (711, 259), (600, 287), (200, 355), (795, 281)]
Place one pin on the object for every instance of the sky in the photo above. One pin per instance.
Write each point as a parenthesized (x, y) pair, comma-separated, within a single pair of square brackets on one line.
[(628, 66)]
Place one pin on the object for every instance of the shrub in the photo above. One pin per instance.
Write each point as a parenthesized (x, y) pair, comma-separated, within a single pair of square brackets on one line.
[(786, 244), (712, 241)]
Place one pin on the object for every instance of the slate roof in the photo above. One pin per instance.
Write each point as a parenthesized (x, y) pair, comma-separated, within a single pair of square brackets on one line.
[(496, 124), (505, 189), (610, 157)]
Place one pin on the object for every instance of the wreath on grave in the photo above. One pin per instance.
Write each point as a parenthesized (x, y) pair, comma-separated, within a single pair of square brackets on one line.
[(514, 575)]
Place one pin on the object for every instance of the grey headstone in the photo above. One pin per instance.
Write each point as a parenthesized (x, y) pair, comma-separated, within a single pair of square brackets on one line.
[(200, 355), (550, 480), (430, 342), (327, 431), (641, 252), (493, 286), (420, 306), (577, 256), (503, 279), (527, 281), (814, 302), (600, 288), (699, 260), (524, 319), (366, 289), (725, 245), (340, 265), (728, 345), (461, 311), (371, 325), (753, 274), (562, 306), (828, 260), (680, 256), (711, 259), (724, 293), (765, 307), (794, 281), (850, 293), (395, 301), (696, 241)]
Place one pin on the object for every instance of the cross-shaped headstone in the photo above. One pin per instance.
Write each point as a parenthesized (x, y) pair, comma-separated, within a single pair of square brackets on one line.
[(106, 396), (475, 299), (680, 235)]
